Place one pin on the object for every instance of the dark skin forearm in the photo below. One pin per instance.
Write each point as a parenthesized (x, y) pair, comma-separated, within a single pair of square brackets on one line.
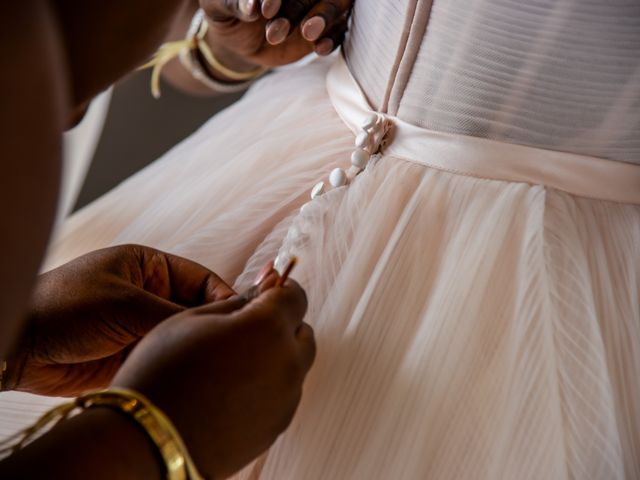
[(98, 444), (31, 118), (57, 54), (32, 115), (103, 41)]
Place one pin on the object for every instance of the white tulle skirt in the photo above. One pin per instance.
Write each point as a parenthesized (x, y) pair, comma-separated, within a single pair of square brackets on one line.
[(476, 304)]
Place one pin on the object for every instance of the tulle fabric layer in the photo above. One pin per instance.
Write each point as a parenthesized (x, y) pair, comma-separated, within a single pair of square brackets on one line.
[(466, 328)]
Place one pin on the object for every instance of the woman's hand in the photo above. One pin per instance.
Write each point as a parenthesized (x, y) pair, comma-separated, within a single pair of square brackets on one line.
[(87, 315), (246, 33), (229, 375)]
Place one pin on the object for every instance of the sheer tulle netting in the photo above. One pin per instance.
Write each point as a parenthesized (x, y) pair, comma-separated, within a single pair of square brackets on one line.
[(467, 328), (224, 188)]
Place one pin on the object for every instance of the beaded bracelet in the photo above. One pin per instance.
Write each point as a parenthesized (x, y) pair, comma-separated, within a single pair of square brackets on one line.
[(179, 464)]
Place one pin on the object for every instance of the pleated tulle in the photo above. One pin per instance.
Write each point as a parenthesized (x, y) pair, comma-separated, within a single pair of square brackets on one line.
[(466, 328)]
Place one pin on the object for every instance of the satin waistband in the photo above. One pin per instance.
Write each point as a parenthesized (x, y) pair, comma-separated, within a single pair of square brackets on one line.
[(579, 175)]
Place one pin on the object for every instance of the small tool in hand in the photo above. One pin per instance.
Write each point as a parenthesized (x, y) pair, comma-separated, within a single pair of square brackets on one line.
[(287, 271)]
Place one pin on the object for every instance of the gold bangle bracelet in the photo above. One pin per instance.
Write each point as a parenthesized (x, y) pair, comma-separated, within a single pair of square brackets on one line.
[(159, 428), (179, 464)]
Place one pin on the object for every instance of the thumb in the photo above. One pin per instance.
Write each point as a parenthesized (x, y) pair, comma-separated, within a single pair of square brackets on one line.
[(180, 280), (286, 305), (238, 302), (147, 310)]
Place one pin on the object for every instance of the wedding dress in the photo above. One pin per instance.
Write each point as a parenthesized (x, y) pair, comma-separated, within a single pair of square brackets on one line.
[(475, 291)]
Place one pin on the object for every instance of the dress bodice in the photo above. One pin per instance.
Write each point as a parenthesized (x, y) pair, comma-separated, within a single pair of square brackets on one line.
[(563, 75)]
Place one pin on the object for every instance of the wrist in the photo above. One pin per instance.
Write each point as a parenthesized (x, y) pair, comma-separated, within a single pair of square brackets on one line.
[(99, 443), (158, 428), (211, 62), (12, 366), (229, 58), (126, 441)]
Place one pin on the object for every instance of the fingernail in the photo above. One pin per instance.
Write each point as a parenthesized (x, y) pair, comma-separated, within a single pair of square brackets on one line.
[(266, 270), (270, 8), (324, 46), (269, 282), (247, 6), (277, 31), (313, 28)]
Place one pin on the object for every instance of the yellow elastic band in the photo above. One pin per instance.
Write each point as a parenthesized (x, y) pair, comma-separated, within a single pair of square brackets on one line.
[(218, 66), (167, 52), (170, 50), (51, 418)]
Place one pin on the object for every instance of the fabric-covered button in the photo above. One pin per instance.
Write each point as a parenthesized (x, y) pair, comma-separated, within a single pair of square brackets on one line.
[(363, 139), (317, 190), (338, 177), (370, 121), (359, 158)]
